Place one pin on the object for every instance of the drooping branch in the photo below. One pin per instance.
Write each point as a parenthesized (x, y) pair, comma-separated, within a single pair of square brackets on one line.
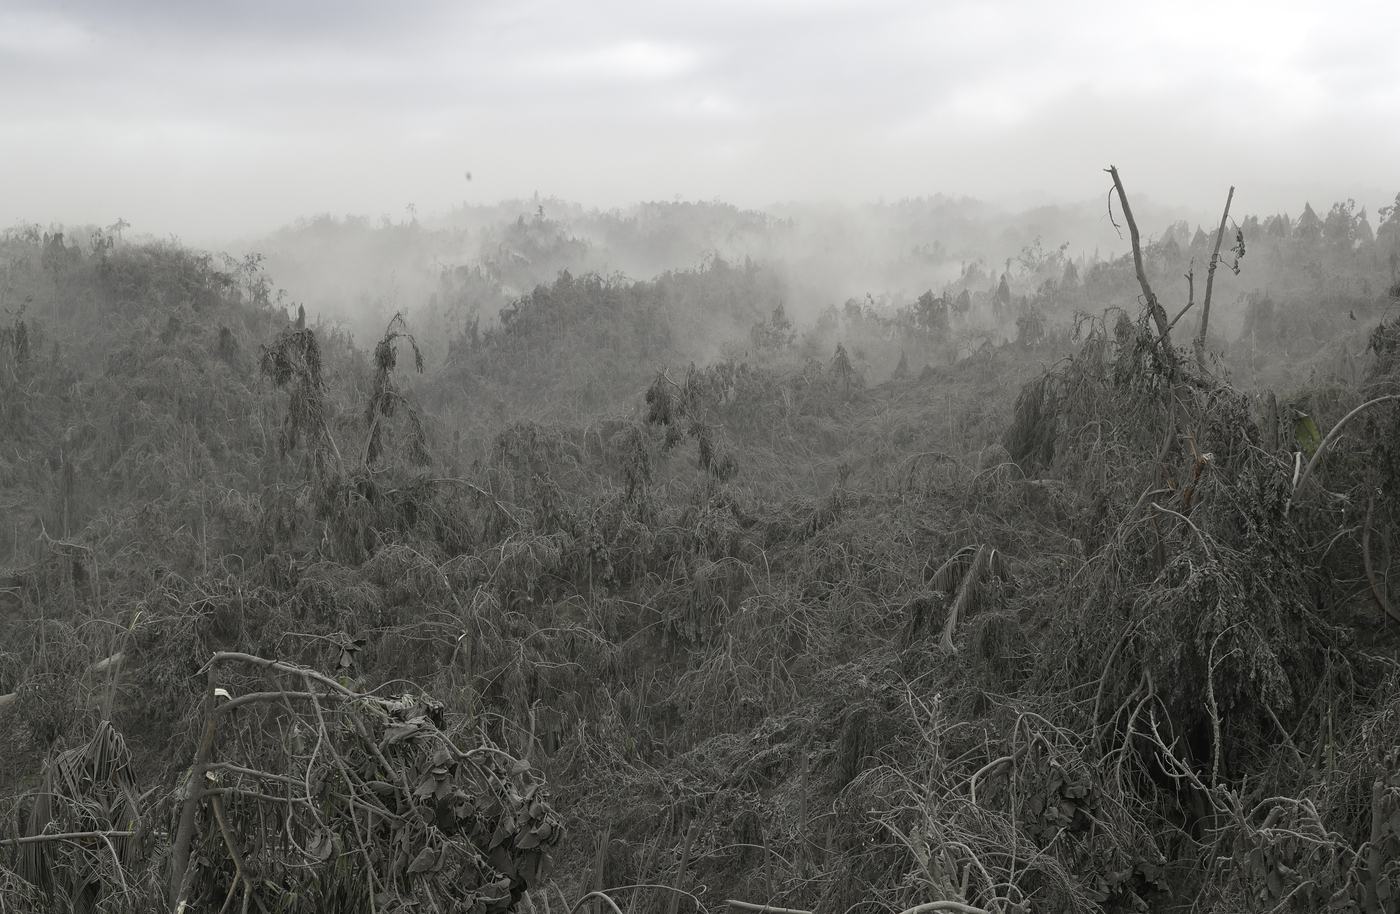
[(601, 896), (362, 814), (1210, 282), (1326, 442), (64, 836), (1159, 314), (992, 767)]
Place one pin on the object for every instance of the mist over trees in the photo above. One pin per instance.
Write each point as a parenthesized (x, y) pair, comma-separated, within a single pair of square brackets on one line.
[(908, 557)]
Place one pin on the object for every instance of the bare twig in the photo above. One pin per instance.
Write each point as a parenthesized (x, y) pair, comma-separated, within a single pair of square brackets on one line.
[(1190, 289), (1287, 739), (1159, 549), (1214, 707), (1168, 438), (1376, 858), (614, 889)]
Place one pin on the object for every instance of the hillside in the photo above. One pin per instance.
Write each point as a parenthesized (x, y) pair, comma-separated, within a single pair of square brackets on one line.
[(994, 591)]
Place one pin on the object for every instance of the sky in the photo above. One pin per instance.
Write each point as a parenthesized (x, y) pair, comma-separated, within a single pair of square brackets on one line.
[(212, 121)]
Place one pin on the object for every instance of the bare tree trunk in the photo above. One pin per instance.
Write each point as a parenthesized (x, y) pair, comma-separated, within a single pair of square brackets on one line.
[(194, 794), (1159, 314), (1210, 281)]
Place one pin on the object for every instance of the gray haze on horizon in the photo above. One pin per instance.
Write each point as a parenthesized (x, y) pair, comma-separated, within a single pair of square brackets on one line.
[(214, 122)]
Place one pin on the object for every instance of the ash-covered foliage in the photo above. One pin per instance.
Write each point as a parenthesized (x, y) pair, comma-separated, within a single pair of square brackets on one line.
[(1054, 618)]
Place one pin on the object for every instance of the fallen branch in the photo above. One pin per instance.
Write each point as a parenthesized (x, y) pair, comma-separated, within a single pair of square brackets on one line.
[(956, 906), (234, 704), (106, 663), (762, 908), (266, 664), (65, 836), (986, 562), (253, 773)]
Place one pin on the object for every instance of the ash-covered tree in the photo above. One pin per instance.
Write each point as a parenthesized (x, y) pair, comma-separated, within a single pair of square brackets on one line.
[(1388, 241), (683, 410), (931, 314), (385, 398), (775, 333), (1309, 227), (1339, 229), (293, 362)]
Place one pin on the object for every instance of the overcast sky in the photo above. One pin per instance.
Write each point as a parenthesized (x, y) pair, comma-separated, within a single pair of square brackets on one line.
[(212, 120)]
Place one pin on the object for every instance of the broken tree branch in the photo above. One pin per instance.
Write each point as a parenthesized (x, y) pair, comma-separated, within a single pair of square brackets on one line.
[(64, 836), (1159, 315), (194, 794), (955, 906), (1180, 314), (762, 908), (1210, 281)]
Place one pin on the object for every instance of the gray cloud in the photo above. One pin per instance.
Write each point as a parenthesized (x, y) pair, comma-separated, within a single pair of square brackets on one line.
[(210, 120)]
